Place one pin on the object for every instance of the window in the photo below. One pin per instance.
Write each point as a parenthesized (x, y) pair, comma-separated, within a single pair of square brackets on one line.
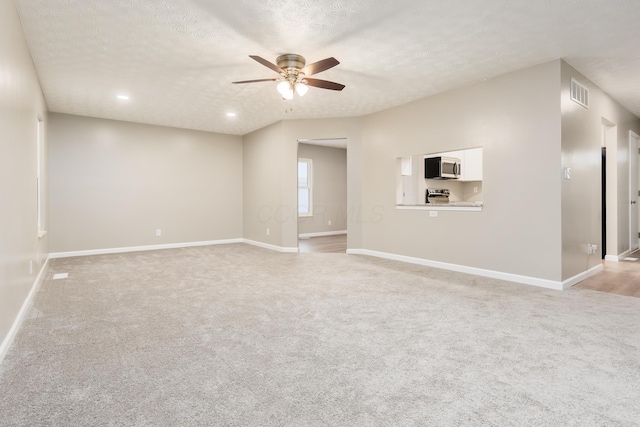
[(40, 177), (305, 193)]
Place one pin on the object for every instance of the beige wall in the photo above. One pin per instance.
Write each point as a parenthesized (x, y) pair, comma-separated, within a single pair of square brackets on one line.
[(264, 210), (581, 195), (329, 189), (516, 119), (349, 128), (270, 184), (21, 103), (114, 183)]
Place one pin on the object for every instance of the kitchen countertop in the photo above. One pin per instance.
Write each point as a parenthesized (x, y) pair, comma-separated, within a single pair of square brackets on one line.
[(451, 206)]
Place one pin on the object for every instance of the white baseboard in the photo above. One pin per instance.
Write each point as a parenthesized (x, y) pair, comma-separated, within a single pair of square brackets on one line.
[(566, 284), (170, 246), (323, 233), (26, 305), (618, 258), (527, 280), (269, 246), (142, 248)]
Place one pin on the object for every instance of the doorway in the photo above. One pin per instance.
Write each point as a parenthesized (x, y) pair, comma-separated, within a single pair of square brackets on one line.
[(634, 140), (604, 202), (322, 195)]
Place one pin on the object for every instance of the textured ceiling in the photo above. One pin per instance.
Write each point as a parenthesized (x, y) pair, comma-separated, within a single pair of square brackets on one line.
[(176, 59)]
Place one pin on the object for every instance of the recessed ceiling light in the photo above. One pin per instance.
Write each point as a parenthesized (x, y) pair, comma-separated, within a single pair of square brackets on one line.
[(123, 97), (231, 114)]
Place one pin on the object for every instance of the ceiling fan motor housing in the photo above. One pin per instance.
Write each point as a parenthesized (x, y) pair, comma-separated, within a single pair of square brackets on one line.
[(290, 62)]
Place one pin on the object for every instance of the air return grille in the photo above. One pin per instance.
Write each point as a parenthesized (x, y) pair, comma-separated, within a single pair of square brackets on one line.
[(579, 93)]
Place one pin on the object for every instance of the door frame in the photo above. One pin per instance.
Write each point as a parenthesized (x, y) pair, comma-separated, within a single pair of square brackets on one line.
[(634, 142), (610, 222), (603, 244)]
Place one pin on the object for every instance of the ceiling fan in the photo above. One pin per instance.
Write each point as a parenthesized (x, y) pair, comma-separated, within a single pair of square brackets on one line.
[(294, 74)]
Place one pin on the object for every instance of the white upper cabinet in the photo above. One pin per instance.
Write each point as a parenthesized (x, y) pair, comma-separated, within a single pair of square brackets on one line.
[(472, 165)]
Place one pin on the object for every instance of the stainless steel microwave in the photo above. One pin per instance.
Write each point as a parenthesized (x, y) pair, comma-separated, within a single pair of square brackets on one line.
[(442, 168)]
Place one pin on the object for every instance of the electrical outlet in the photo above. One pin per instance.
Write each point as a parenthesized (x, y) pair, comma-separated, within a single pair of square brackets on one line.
[(329, 222), (475, 189), (267, 231), (433, 214), (158, 232)]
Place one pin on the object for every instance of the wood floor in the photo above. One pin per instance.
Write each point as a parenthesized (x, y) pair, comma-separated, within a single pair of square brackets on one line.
[(324, 244), (622, 278)]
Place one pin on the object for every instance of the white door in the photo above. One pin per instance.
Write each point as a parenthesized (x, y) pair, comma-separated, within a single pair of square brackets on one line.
[(633, 191)]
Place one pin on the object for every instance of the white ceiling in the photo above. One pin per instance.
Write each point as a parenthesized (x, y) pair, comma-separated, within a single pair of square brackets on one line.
[(176, 59)]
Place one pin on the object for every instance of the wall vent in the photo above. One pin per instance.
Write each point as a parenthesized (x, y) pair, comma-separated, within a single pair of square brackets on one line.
[(579, 93)]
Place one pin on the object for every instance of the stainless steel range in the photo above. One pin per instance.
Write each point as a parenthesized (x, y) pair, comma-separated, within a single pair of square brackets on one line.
[(435, 196)]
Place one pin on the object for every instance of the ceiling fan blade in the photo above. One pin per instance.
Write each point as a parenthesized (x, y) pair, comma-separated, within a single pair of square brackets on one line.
[(320, 66), (255, 81), (267, 64), (324, 84)]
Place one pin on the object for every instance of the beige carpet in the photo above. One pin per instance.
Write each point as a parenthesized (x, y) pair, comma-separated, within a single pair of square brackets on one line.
[(241, 336)]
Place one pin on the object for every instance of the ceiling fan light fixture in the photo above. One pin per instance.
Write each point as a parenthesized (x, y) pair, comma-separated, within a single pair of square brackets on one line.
[(286, 89), (301, 88), (288, 95), (293, 71)]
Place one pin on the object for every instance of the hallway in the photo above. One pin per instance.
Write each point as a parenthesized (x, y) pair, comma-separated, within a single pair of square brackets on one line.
[(622, 278)]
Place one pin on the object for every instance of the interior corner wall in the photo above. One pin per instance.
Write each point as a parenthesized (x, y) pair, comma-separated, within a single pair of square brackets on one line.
[(581, 195), (516, 119), (263, 209), (329, 184), (114, 183), (21, 104)]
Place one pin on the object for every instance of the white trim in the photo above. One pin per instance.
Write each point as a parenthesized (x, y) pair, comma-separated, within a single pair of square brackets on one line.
[(323, 233), (142, 248), (527, 280), (8, 340), (633, 153), (566, 284), (617, 258), (269, 246)]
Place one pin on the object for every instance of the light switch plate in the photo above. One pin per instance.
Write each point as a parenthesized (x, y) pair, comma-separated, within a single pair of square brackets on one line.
[(567, 173), (433, 213)]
